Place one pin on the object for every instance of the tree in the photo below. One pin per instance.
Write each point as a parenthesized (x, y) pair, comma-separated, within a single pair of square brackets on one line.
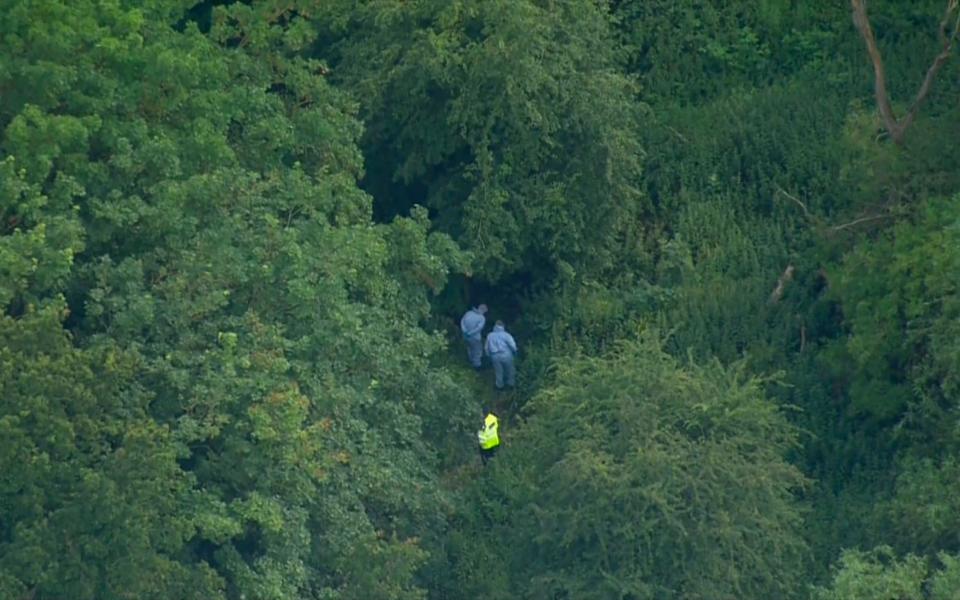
[(206, 228), (95, 504), (638, 477), (900, 302), (881, 574), (509, 120)]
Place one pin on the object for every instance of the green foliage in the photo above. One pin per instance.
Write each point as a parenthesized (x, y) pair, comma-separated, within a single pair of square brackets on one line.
[(749, 147), (206, 188), (226, 231), (900, 301), (694, 50), (39, 237), (880, 574), (638, 477), (720, 270), (95, 504), (881, 175), (509, 119), (923, 513)]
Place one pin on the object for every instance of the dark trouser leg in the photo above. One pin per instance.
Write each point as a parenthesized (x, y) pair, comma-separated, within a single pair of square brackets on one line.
[(486, 455)]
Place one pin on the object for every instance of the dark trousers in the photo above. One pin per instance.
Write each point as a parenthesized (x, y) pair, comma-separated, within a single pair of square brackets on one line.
[(487, 454)]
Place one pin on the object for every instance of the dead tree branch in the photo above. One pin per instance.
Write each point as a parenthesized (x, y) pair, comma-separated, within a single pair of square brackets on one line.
[(858, 221), (803, 206), (898, 127), (820, 225), (785, 278)]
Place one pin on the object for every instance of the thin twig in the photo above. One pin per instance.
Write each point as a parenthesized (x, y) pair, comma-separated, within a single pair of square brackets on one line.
[(678, 134), (858, 221), (817, 221), (806, 212)]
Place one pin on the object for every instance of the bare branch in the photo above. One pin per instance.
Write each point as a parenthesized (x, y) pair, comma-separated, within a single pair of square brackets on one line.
[(862, 23), (785, 278), (897, 127), (819, 223), (947, 46), (806, 212), (942, 30), (678, 134), (858, 221)]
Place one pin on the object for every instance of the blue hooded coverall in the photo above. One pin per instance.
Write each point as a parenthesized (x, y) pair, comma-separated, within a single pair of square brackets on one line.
[(501, 348), (472, 327)]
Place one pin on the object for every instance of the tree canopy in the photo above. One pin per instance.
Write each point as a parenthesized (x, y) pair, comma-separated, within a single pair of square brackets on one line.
[(237, 238)]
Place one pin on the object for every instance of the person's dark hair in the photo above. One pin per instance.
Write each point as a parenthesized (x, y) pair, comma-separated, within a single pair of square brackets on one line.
[(499, 322)]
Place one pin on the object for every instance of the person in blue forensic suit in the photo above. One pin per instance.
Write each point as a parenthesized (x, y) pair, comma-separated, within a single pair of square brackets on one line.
[(501, 348), (471, 324)]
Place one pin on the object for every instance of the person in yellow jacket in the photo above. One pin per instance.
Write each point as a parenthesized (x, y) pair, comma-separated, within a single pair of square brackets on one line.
[(489, 436)]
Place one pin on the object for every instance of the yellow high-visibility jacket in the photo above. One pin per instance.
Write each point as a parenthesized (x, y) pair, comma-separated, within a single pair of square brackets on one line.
[(489, 436)]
